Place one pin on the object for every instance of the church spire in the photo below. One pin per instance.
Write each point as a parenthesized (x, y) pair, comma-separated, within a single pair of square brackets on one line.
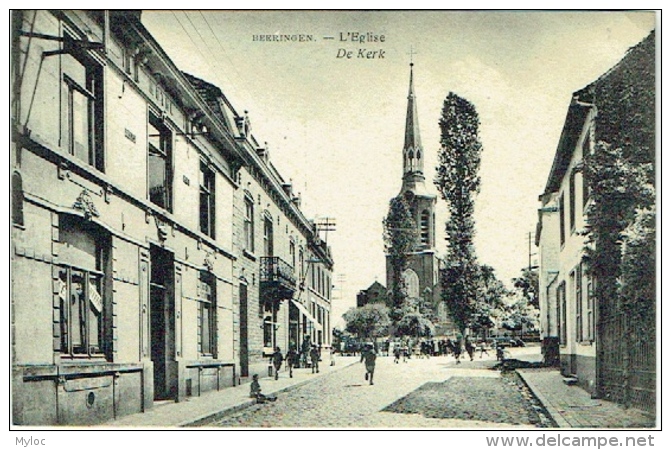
[(412, 139), (413, 153)]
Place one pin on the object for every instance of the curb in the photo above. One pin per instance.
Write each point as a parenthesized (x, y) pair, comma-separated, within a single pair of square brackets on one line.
[(198, 421), (556, 417)]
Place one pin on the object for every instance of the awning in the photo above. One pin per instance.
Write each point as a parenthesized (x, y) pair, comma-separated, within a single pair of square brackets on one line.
[(307, 314)]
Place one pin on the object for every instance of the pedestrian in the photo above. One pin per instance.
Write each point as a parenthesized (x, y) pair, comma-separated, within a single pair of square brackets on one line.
[(332, 356), (368, 355), (483, 349), (314, 359), (276, 360), (469, 347), (292, 360), (397, 353), (457, 350), (255, 391), (305, 350), (406, 353)]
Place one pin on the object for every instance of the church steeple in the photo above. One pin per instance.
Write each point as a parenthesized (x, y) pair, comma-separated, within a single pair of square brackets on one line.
[(413, 153)]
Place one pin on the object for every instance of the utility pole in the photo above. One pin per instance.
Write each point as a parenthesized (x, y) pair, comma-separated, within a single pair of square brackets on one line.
[(326, 224)]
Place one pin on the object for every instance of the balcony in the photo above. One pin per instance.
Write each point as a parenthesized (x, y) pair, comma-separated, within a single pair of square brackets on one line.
[(278, 281)]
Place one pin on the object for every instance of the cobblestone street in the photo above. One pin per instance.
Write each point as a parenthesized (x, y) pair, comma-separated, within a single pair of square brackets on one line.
[(422, 393)]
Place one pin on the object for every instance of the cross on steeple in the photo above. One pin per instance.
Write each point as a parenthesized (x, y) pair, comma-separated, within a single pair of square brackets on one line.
[(412, 52)]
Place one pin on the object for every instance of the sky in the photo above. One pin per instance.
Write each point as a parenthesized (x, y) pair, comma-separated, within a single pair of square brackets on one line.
[(335, 125)]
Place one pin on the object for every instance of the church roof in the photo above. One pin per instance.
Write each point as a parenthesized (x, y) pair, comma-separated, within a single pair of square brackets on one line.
[(412, 138), (376, 286)]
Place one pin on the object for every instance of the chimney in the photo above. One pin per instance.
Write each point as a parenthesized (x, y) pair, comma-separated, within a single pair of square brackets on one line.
[(263, 152), (287, 189), (297, 200)]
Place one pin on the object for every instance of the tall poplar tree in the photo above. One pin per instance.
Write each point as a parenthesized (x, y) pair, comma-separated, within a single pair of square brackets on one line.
[(458, 182)]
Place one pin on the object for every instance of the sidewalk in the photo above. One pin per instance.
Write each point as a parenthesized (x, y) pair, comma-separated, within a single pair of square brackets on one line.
[(573, 407), (228, 400)]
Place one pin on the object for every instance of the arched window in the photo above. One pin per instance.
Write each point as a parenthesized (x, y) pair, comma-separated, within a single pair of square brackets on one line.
[(424, 228), (411, 281), (17, 199)]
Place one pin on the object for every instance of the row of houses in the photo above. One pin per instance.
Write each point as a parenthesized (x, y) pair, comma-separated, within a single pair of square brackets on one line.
[(156, 251), (585, 327)]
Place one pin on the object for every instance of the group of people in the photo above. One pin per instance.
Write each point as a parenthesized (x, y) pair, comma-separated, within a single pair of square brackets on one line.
[(293, 360), (459, 348), (401, 351)]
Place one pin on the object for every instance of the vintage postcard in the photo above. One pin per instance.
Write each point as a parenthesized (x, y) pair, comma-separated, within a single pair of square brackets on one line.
[(335, 220)]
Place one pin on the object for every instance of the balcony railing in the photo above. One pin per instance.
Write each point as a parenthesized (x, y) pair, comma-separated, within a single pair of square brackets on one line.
[(278, 277)]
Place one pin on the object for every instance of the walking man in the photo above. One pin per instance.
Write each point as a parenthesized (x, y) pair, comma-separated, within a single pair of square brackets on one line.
[(469, 347), (314, 358), (292, 360), (277, 359), (369, 356)]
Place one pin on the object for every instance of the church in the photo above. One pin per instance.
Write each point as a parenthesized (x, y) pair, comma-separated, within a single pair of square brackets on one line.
[(422, 275)]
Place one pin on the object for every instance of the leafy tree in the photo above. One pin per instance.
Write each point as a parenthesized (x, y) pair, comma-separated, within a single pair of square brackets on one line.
[(620, 219), (489, 301), (369, 321), (416, 318), (400, 238), (528, 284), (458, 182), (415, 324), (518, 313)]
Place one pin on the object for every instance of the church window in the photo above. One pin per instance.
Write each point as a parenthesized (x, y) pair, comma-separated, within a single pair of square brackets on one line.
[(424, 228), (411, 281)]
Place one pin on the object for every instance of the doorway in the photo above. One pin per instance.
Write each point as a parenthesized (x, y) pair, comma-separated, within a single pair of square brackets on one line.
[(244, 338), (162, 316)]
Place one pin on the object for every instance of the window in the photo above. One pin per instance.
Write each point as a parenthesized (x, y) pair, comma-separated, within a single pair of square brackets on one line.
[(585, 186), (207, 313), (578, 303), (17, 199), (424, 228), (313, 272), (561, 220), (249, 224), (323, 292), (207, 212), (82, 77), (590, 309), (268, 236), (561, 312), (302, 265), (268, 332), (81, 289), (292, 254), (572, 201), (160, 163)]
